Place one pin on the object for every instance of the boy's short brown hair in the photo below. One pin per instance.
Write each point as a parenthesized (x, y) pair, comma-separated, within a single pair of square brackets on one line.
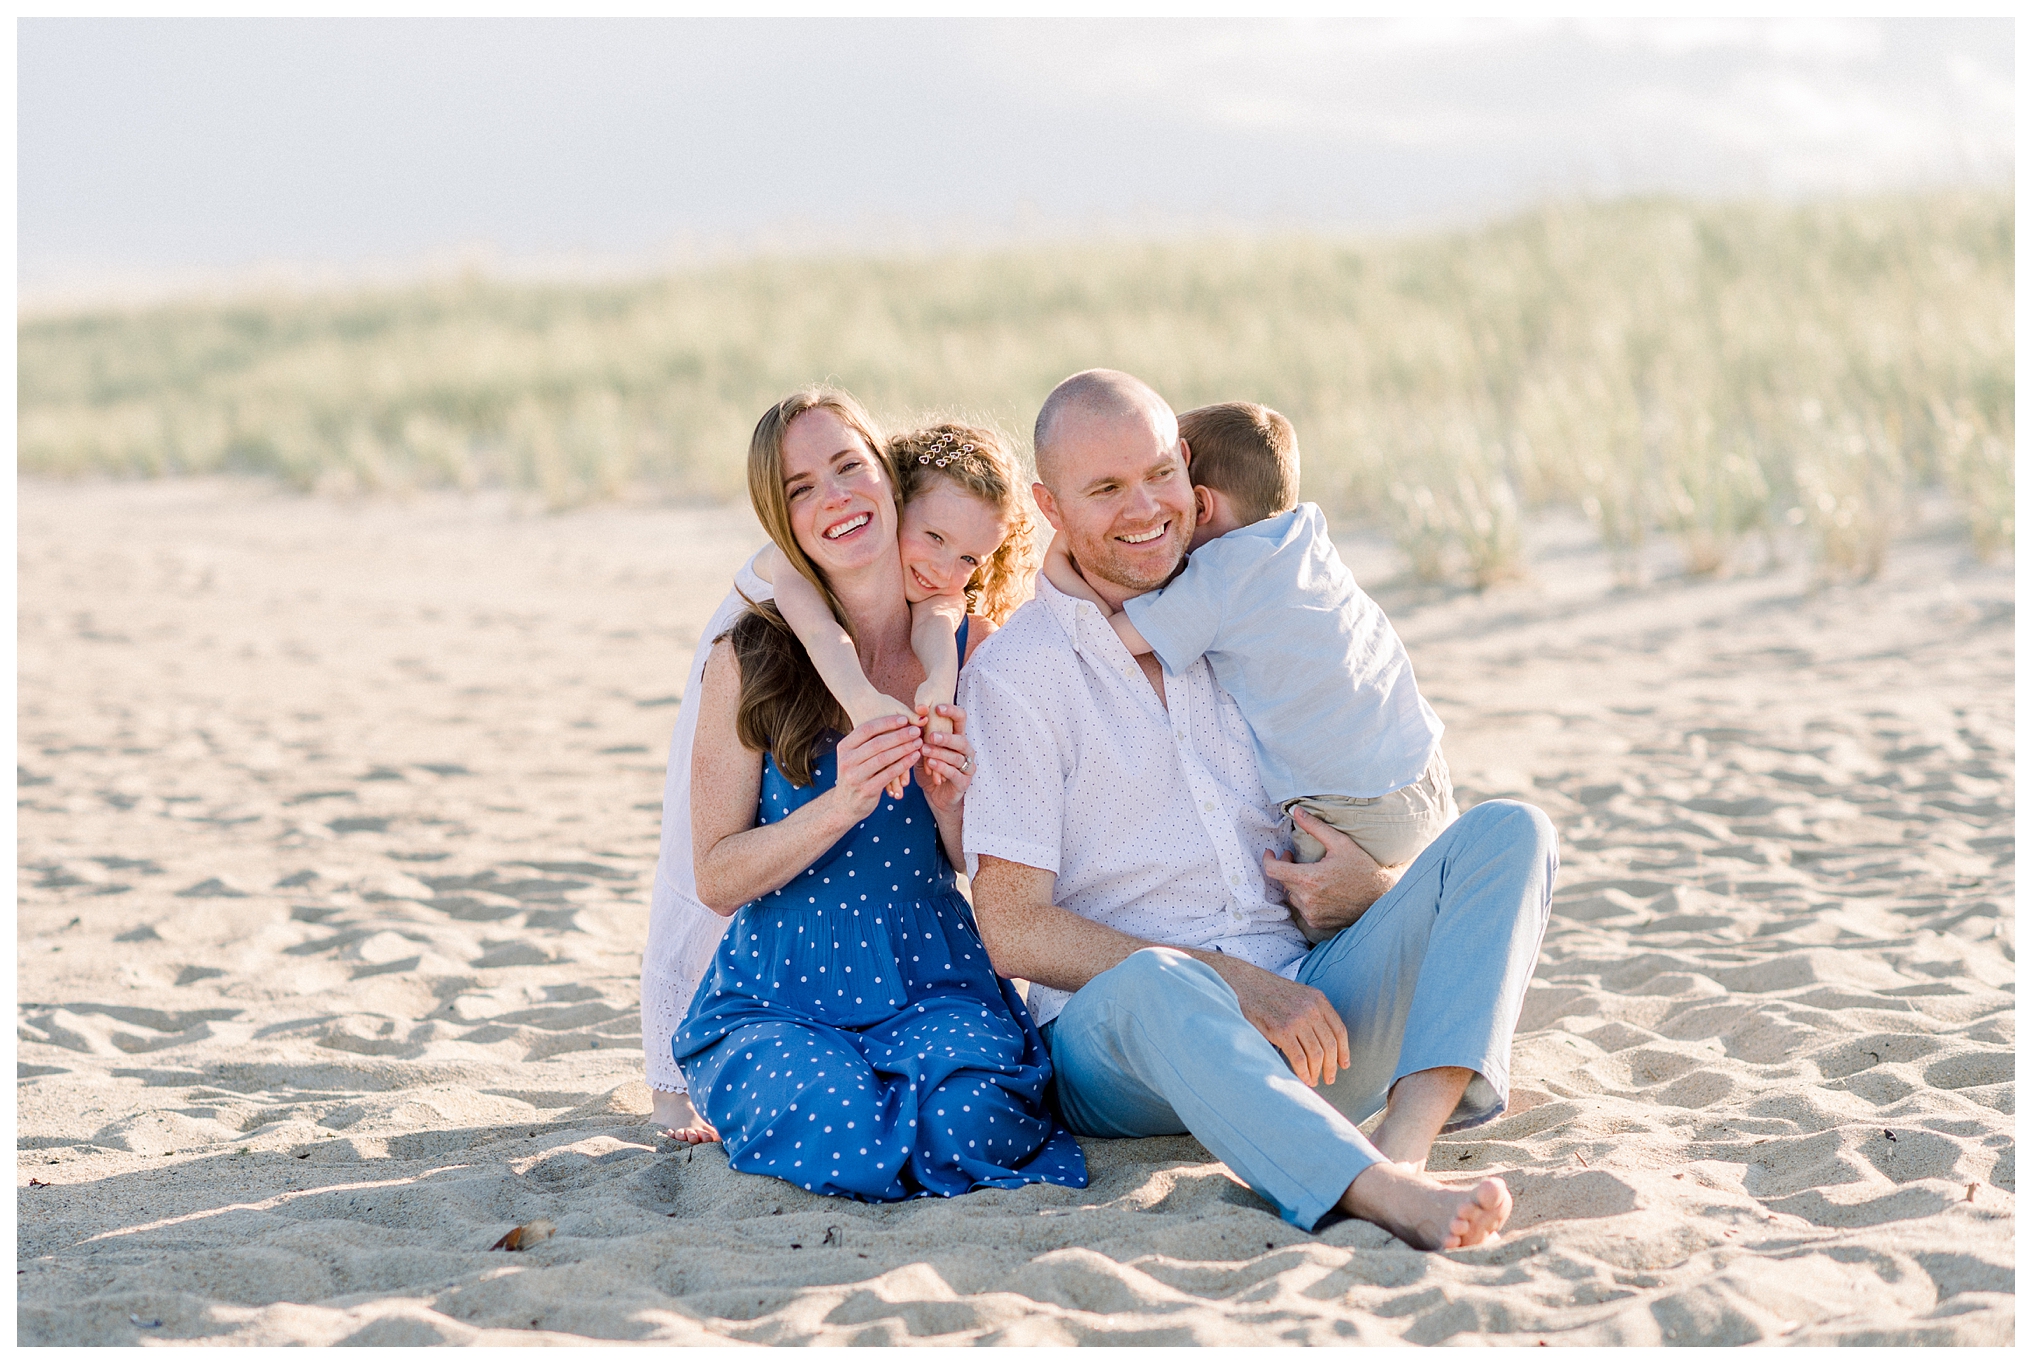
[(1246, 451)]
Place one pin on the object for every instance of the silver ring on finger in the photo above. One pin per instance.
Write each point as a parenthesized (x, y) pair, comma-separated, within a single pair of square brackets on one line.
[(967, 765)]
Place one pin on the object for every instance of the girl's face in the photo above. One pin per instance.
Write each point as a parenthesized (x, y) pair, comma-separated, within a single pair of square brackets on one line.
[(840, 507), (945, 534)]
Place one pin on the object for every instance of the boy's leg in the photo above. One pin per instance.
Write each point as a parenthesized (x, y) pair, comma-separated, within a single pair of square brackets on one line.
[(1158, 1045), (1394, 827), (1433, 976)]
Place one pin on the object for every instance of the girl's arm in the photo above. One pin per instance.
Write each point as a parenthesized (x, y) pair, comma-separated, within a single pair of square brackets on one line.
[(1061, 573), (737, 859), (826, 640), (947, 772), (934, 630)]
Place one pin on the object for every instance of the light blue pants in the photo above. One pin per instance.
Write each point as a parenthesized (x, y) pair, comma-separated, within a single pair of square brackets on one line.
[(1432, 975)]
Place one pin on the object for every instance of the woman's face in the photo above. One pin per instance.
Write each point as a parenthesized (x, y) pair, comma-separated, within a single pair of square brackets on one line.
[(841, 507), (946, 534)]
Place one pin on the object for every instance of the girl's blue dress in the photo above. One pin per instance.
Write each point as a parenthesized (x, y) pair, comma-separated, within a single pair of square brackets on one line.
[(851, 1036)]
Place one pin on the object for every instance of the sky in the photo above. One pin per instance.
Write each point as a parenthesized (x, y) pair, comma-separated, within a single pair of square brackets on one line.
[(165, 155)]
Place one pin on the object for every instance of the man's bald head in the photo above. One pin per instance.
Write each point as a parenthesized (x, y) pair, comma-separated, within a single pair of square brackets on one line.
[(1097, 396)]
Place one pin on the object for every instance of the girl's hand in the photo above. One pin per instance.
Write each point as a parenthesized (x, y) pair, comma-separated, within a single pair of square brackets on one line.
[(873, 705), (948, 762), (874, 757), (927, 709)]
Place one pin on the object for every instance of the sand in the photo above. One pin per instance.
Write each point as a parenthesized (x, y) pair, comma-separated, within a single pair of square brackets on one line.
[(336, 828)]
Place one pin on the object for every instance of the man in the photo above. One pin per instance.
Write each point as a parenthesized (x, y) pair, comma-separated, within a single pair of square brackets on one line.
[(1122, 846)]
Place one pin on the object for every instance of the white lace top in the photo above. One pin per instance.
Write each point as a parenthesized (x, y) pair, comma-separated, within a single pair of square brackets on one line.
[(683, 934)]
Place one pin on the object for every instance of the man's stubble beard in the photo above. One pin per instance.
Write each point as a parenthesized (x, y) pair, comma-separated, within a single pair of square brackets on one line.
[(1101, 560)]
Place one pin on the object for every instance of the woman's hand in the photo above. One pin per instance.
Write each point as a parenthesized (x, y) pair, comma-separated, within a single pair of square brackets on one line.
[(873, 705), (948, 761), (873, 757)]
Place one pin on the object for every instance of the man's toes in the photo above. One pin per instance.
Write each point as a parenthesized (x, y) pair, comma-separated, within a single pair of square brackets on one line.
[(1480, 1216)]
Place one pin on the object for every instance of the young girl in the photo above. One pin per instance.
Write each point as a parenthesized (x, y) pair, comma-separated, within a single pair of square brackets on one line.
[(967, 541), (968, 549)]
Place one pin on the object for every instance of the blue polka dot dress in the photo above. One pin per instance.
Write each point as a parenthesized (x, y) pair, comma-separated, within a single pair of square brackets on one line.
[(851, 1037)]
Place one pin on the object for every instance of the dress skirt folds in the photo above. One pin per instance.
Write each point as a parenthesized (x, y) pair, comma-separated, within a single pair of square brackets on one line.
[(851, 1036)]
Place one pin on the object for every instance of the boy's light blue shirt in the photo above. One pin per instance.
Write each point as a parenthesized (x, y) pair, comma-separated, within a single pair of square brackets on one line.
[(1312, 663)]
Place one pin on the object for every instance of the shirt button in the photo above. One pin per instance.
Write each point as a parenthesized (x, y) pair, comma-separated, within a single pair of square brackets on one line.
[(1207, 806)]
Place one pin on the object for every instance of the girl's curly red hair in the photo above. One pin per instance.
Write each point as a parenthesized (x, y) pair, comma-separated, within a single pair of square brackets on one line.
[(980, 461)]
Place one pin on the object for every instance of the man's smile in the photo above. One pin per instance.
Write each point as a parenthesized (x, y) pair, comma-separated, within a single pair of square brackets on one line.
[(1147, 536)]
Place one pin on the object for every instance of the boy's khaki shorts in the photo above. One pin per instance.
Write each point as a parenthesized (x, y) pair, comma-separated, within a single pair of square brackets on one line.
[(1394, 827)]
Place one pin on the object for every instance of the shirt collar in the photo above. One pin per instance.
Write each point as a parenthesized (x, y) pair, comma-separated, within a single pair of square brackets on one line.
[(1084, 625), (1076, 616)]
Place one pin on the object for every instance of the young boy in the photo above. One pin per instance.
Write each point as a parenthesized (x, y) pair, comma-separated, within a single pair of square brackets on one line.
[(1317, 671)]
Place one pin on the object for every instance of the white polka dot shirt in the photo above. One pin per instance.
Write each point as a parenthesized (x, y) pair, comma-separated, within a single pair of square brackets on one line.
[(1151, 814)]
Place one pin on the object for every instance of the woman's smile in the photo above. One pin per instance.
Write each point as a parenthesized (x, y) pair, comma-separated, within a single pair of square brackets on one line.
[(841, 508)]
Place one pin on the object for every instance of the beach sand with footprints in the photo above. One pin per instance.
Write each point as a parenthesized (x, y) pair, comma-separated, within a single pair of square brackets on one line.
[(337, 822)]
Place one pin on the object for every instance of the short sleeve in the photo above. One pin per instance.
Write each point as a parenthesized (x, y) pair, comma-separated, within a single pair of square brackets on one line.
[(747, 582), (1016, 805), (1182, 619)]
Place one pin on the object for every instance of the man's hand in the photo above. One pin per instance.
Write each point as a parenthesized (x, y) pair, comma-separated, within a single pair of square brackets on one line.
[(1328, 895), (1296, 1018)]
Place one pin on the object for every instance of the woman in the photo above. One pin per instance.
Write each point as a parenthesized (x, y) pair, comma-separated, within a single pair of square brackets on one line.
[(851, 1036), (965, 519)]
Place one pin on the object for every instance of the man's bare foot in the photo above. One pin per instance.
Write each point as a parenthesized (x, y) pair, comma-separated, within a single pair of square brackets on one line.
[(675, 1117), (1420, 1211)]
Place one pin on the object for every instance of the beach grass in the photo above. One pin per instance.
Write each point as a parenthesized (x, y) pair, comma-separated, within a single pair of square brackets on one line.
[(1713, 373)]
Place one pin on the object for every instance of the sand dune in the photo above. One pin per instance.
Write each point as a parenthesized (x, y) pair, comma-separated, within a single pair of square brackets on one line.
[(336, 826)]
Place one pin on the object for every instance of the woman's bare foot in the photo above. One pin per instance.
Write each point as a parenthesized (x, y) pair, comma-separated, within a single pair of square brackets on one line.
[(1420, 1211), (675, 1117)]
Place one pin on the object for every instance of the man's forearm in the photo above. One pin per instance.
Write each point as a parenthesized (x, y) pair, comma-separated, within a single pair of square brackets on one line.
[(1032, 939), (1028, 936), (1051, 946)]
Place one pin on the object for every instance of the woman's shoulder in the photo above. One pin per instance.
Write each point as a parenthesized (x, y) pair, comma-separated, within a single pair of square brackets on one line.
[(722, 667), (978, 629)]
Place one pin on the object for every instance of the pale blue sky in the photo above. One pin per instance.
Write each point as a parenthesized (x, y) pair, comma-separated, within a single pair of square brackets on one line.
[(159, 152)]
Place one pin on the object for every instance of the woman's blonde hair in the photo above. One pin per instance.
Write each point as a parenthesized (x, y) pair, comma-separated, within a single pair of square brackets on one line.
[(981, 462), (785, 707)]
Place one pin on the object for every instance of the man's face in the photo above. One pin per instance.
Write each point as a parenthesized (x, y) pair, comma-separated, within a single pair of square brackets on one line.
[(1120, 494)]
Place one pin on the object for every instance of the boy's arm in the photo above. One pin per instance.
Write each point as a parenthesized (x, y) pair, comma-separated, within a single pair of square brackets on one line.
[(934, 627), (1126, 631), (1060, 571), (830, 646)]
